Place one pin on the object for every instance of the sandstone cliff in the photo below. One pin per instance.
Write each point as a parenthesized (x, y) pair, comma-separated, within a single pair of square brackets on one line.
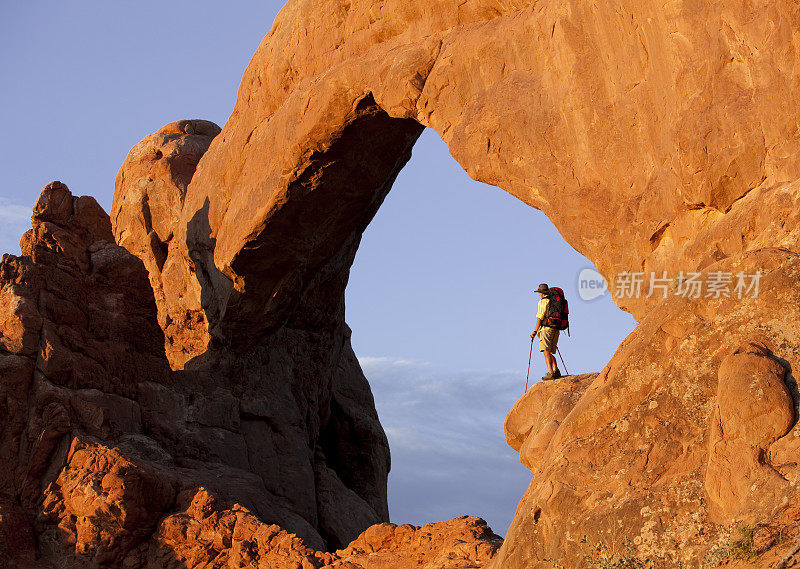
[(115, 460), (657, 137)]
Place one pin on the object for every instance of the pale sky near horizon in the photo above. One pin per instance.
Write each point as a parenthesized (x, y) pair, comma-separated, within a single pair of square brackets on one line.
[(440, 297)]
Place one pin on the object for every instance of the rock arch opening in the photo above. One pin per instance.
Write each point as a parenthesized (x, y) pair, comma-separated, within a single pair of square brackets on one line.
[(659, 138), (311, 238), (265, 330), (439, 300), (595, 126), (270, 322)]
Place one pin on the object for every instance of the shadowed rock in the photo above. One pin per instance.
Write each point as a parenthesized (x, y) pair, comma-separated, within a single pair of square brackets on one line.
[(102, 437)]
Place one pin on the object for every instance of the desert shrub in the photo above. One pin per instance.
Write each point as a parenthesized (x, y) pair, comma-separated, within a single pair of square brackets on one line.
[(743, 548), (738, 545)]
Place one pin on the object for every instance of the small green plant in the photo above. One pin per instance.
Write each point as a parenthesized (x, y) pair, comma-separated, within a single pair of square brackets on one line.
[(740, 548)]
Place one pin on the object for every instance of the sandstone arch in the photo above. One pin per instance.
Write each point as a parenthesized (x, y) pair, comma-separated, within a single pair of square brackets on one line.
[(656, 137), (635, 128)]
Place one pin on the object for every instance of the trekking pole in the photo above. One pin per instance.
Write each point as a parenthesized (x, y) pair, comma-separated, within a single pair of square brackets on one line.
[(562, 360), (529, 367)]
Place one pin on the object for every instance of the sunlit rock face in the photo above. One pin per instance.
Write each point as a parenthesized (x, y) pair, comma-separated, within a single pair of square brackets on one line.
[(105, 443), (689, 430), (160, 393), (661, 139), (656, 137)]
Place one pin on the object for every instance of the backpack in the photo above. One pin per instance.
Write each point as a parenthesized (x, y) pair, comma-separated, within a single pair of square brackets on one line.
[(557, 314)]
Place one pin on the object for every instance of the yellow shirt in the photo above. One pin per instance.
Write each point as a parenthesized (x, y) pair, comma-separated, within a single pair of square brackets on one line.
[(542, 310)]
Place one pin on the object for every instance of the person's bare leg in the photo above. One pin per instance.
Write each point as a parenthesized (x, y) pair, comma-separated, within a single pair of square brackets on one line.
[(549, 360)]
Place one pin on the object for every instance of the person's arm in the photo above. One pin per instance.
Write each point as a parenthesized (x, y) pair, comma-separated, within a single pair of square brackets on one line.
[(538, 325), (539, 317)]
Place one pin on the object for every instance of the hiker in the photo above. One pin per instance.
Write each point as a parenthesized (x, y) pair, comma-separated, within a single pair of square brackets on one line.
[(548, 333)]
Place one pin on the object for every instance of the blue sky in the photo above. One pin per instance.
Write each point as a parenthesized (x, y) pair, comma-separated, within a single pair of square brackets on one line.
[(440, 296)]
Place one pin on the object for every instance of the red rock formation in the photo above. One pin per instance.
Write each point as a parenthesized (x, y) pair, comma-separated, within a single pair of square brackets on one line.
[(687, 431), (155, 176), (291, 406), (206, 534), (104, 439), (657, 137), (77, 327)]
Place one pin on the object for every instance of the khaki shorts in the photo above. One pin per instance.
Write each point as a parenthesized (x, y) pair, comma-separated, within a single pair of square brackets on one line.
[(548, 339)]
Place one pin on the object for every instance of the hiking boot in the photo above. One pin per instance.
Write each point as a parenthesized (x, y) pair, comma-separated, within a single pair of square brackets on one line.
[(548, 376), (556, 374)]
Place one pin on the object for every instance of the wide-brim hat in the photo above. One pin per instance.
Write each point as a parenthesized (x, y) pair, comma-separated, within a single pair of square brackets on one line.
[(543, 288)]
